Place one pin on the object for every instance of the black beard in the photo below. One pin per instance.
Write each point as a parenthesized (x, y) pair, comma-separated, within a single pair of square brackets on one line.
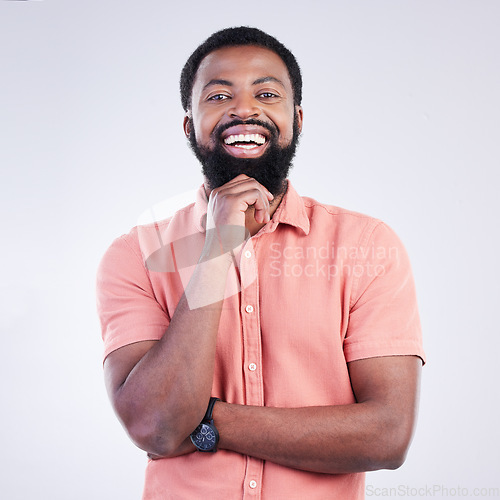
[(270, 170)]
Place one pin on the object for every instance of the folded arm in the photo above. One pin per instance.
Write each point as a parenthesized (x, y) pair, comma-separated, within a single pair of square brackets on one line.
[(160, 389), (373, 433)]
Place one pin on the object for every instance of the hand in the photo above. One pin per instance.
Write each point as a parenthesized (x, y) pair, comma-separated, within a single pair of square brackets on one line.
[(227, 204), (227, 208)]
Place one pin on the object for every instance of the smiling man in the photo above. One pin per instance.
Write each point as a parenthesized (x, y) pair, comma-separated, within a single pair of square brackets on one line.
[(224, 126), (273, 349)]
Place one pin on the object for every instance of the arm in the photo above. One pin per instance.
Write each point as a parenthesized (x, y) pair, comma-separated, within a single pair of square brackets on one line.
[(160, 389), (373, 433)]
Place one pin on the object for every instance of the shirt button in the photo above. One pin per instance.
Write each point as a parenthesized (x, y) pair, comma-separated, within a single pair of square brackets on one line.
[(249, 309), (252, 484), (248, 254), (252, 367)]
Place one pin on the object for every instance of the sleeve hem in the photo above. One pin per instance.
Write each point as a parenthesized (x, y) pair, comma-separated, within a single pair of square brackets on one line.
[(124, 340), (375, 350)]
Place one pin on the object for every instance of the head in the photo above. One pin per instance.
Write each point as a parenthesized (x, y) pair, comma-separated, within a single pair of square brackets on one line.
[(241, 90)]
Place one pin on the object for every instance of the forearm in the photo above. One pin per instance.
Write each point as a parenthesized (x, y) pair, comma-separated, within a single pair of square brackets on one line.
[(160, 390), (328, 439), (165, 394)]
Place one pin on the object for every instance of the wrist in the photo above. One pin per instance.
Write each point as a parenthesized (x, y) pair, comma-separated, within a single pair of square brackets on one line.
[(224, 239), (225, 418), (206, 436)]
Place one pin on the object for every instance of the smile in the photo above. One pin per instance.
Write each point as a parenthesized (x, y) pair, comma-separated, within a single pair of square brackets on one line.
[(245, 141)]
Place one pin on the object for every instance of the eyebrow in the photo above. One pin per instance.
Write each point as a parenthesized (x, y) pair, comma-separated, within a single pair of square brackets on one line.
[(218, 82), (267, 79), (227, 83)]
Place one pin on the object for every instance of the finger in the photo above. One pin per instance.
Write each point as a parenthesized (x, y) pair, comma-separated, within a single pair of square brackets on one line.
[(261, 209), (251, 197), (243, 182)]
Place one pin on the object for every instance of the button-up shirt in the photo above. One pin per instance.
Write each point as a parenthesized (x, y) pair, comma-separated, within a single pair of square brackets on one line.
[(317, 287)]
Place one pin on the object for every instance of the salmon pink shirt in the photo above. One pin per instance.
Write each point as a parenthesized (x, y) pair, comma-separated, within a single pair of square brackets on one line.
[(316, 288)]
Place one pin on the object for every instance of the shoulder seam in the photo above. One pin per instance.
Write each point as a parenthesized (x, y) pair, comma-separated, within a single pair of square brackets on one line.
[(365, 237), (308, 202)]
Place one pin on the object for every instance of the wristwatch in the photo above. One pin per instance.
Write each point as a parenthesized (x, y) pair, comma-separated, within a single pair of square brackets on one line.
[(205, 437)]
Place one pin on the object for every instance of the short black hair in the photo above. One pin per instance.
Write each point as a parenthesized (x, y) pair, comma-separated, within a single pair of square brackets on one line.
[(233, 37)]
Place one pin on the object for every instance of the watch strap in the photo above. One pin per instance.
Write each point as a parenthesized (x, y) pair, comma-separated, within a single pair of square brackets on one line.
[(207, 421), (210, 410)]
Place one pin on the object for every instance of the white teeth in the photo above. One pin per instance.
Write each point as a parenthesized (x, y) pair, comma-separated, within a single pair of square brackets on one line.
[(256, 138)]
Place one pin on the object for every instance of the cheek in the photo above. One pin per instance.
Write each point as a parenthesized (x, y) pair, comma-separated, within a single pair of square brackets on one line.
[(284, 121), (199, 130), (204, 125), (286, 129), (203, 132)]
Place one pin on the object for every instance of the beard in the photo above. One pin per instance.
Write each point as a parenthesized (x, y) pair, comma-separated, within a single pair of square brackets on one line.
[(271, 169)]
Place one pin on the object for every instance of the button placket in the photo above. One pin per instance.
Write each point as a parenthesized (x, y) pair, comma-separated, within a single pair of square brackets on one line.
[(253, 479), (252, 353), (251, 329)]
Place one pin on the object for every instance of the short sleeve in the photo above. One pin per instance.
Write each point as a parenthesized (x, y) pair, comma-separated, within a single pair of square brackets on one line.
[(126, 304), (383, 314)]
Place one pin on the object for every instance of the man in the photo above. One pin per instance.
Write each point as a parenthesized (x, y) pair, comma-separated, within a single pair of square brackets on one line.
[(279, 334)]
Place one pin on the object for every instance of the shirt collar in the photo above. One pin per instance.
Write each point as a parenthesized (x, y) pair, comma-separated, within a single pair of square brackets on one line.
[(290, 211)]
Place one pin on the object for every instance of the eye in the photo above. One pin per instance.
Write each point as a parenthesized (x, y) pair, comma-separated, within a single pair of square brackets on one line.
[(268, 95), (218, 97)]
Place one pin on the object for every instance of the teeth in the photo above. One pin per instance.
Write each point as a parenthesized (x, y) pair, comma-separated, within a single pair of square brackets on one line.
[(256, 138)]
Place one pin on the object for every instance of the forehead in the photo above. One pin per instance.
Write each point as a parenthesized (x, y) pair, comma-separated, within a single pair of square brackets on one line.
[(241, 63)]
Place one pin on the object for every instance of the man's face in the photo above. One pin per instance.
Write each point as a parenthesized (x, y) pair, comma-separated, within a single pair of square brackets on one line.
[(243, 118)]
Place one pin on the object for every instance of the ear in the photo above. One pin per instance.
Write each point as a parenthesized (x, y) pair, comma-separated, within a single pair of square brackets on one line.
[(300, 116), (186, 125)]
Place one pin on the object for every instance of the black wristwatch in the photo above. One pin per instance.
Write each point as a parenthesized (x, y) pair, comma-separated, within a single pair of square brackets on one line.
[(205, 437)]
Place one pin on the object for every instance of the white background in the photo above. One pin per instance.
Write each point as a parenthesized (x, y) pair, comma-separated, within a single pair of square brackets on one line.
[(401, 107)]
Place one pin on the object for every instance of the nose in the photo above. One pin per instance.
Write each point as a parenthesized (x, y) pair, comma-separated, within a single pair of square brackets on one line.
[(244, 107)]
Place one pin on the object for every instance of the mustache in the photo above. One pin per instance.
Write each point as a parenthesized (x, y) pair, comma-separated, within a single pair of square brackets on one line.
[(251, 121)]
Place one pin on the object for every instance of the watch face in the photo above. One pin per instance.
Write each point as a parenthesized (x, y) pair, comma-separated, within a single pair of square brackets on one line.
[(204, 437)]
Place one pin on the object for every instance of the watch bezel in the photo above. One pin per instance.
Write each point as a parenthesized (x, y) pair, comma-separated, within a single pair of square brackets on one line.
[(199, 442)]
